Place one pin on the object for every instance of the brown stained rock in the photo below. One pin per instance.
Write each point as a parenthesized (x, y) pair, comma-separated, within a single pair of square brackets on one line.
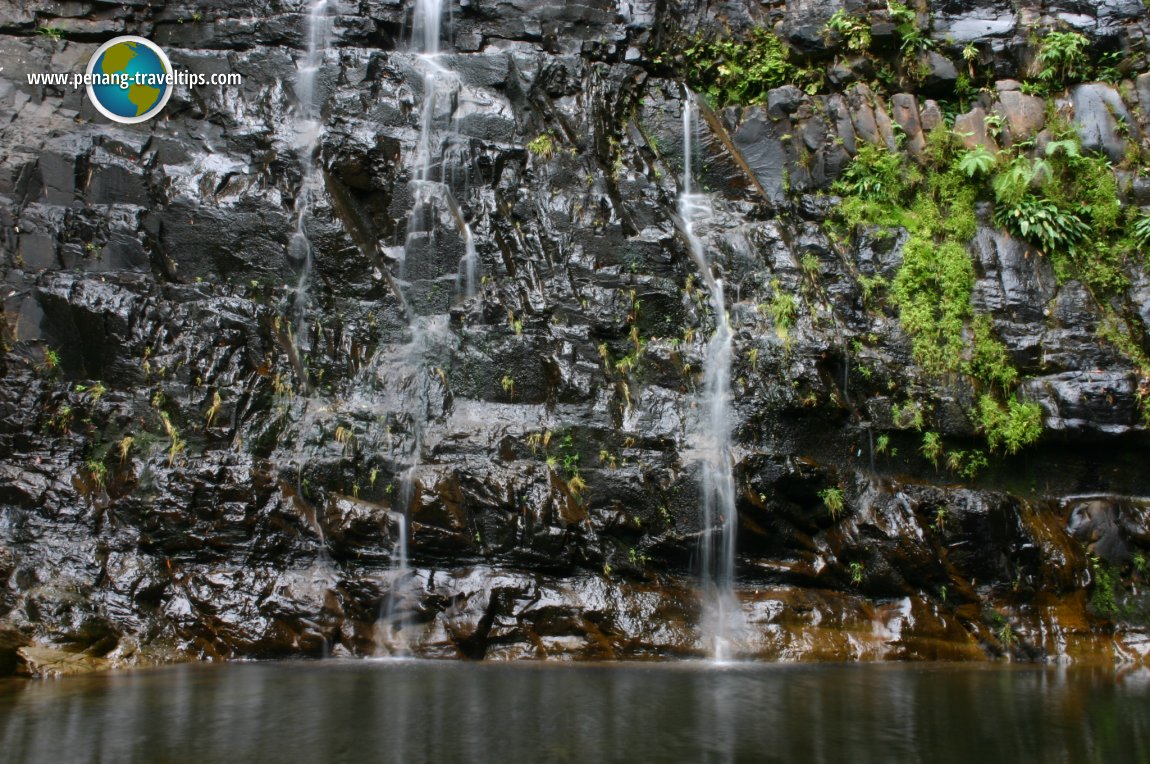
[(930, 116), (11, 641), (353, 525), (904, 109), (46, 662), (1058, 626), (860, 101), (1025, 115), (885, 126), (971, 128), (840, 115), (439, 500), (1063, 556), (787, 624)]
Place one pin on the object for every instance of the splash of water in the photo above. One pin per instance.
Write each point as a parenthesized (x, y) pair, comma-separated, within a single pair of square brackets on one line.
[(717, 489)]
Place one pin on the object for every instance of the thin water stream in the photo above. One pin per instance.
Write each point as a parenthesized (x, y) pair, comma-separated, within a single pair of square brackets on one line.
[(427, 328), (309, 132), (721, 613)]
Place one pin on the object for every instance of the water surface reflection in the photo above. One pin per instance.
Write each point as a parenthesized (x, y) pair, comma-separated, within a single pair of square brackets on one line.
[(449, 712)]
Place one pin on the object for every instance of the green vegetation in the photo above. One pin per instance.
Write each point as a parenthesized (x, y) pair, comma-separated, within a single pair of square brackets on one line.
[(213, 410), (857, 570), (977, 162), (741, 70), (876, 176), (1140, 231), (931, 447), (176, 444), (934, 288), (966, 463), (854, 30), (124, 447), (1063, 203), (939, 523), (1066, 205), (54, 34), (543, 146), (98, 473), (1009, 426), (1115, 598), (51, 362), (833, 500), (95, 392), (1107, 590), (1064, 57), (61, 420), (738, 71)]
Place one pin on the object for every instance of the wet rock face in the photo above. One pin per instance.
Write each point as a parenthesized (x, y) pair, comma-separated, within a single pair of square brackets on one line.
[(198, 457)]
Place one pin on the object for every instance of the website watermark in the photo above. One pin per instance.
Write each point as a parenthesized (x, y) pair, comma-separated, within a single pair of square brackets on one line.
[(129, 79), (77, 80)]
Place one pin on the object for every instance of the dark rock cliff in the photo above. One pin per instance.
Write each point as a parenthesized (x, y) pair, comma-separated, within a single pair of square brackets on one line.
[(196, 462)]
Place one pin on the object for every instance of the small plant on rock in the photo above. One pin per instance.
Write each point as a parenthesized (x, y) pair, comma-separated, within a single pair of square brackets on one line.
[(854, 30), (736, 71), (875, 175), (125, 447), (97, 472), (1140, 230), (1043, 223), (214, 409), (1010, 426), (931, 447), (95, 392), (976, 162), (833, 500), (1063, 57), (782, 309), (543, 146), (51, 362)]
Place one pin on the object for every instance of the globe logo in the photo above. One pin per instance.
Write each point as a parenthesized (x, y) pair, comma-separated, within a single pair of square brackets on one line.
[(129, 79)]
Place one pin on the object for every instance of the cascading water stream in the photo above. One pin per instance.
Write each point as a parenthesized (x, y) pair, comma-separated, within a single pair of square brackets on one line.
[(309, 131), (717, 553), (437, 81), (426, 330)]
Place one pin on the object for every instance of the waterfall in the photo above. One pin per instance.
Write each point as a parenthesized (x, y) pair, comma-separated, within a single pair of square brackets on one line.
[(309, 131), (431, 195), (438, 85), (717, 553)]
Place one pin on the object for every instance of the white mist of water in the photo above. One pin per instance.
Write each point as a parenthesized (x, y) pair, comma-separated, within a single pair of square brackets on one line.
[(309, 131), (721, 612)]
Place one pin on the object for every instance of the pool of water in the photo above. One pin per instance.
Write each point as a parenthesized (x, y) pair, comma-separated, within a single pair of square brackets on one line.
[(454, 712)]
